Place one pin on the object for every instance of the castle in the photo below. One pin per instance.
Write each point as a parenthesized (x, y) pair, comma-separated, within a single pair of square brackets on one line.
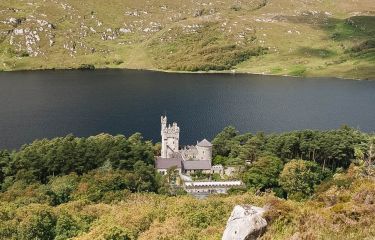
[(188, 160)]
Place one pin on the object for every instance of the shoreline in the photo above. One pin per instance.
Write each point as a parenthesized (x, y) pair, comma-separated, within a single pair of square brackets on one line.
[(229, 72)]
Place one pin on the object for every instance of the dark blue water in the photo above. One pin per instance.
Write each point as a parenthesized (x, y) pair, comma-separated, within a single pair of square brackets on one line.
[(54, 103)]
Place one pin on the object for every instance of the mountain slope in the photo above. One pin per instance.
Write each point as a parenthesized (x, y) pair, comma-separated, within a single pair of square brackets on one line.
[(313, 38)]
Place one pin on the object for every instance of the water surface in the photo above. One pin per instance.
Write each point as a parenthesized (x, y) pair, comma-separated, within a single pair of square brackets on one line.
[(42, 104)]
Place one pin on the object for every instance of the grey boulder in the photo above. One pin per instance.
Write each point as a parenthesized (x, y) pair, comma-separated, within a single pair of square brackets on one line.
[(245, 223)]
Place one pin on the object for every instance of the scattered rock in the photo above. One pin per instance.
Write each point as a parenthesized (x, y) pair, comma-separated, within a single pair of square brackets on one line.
[(245, 223), (125, 30)]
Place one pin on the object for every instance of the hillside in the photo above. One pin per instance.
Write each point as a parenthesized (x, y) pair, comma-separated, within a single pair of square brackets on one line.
[(104, 187), (293, 37), (339, 213)]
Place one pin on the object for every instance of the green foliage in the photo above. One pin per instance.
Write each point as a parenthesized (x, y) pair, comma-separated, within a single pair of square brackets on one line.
[(276, 70), (218, 159), (215, 177), (24, 193), (363, 46), (299, 178), (108, 186), (61, 188), (317, 52), (59, 156), (86, 67), (145, 177), (204, 215), (264, 173), (361, 27), (101, 191), (4, 159), (298, 70), (253, 147), (204, 49), (222, 143), (333, 148), (118, 234), (220, 35), (66, 227), (199, 175), (237, 190), (40, 225), (330, 149)]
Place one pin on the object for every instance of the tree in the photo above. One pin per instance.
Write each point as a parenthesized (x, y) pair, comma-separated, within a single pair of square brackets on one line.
[(61, 188), (263, 173), (117, 233), (222, 142), (66, 227), (252, 148), (39, 225), (172, 174), (299, 178), (218, 159), (45, 158), (4, 160), (145, 177)]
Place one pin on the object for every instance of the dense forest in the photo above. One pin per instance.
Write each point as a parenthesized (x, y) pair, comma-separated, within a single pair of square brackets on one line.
[(105, 187)]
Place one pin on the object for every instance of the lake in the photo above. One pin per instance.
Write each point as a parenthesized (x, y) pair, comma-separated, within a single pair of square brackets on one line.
[(38, 104)]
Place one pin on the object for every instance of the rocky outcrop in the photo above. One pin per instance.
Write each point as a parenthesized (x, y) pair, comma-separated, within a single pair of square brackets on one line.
[(245, 223)]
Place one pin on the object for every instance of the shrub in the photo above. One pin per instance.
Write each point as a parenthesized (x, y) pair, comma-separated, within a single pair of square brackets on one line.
[(118, 61), (263, 173), (299, 178), (66, 227), (117, 233), (86, 67), (61, 188), (40, 224)]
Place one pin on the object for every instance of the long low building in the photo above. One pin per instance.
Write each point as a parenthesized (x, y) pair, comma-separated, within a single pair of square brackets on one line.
[(210, 187), (186, 167)]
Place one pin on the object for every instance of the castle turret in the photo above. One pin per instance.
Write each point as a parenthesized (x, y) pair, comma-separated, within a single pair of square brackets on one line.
[(204, 149), (163, 137), (163, 121), (169, 138)]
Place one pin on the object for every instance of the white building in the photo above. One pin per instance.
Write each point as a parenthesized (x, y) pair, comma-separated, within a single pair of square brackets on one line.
[(210, 187), (219, 169), (188, 160)]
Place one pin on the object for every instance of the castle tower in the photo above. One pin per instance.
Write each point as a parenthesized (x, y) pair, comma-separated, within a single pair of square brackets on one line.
[(204, 149), (163, 137), (169, 138)]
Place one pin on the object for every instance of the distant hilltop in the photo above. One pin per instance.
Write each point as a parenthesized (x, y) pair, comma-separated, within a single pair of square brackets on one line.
[(284, 37)]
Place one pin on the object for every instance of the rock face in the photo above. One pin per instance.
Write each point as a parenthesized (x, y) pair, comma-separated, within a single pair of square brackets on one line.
[(245, 223)]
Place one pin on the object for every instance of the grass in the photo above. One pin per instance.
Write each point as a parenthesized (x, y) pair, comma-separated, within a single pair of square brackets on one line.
[(256, 36), (298, 70)]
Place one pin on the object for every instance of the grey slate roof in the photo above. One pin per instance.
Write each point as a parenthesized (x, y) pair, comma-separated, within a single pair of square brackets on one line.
[(165, 163), (197, 164), (204, 143)]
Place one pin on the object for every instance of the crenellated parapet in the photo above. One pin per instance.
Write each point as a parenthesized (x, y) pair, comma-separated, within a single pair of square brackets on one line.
[(174, 129)]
